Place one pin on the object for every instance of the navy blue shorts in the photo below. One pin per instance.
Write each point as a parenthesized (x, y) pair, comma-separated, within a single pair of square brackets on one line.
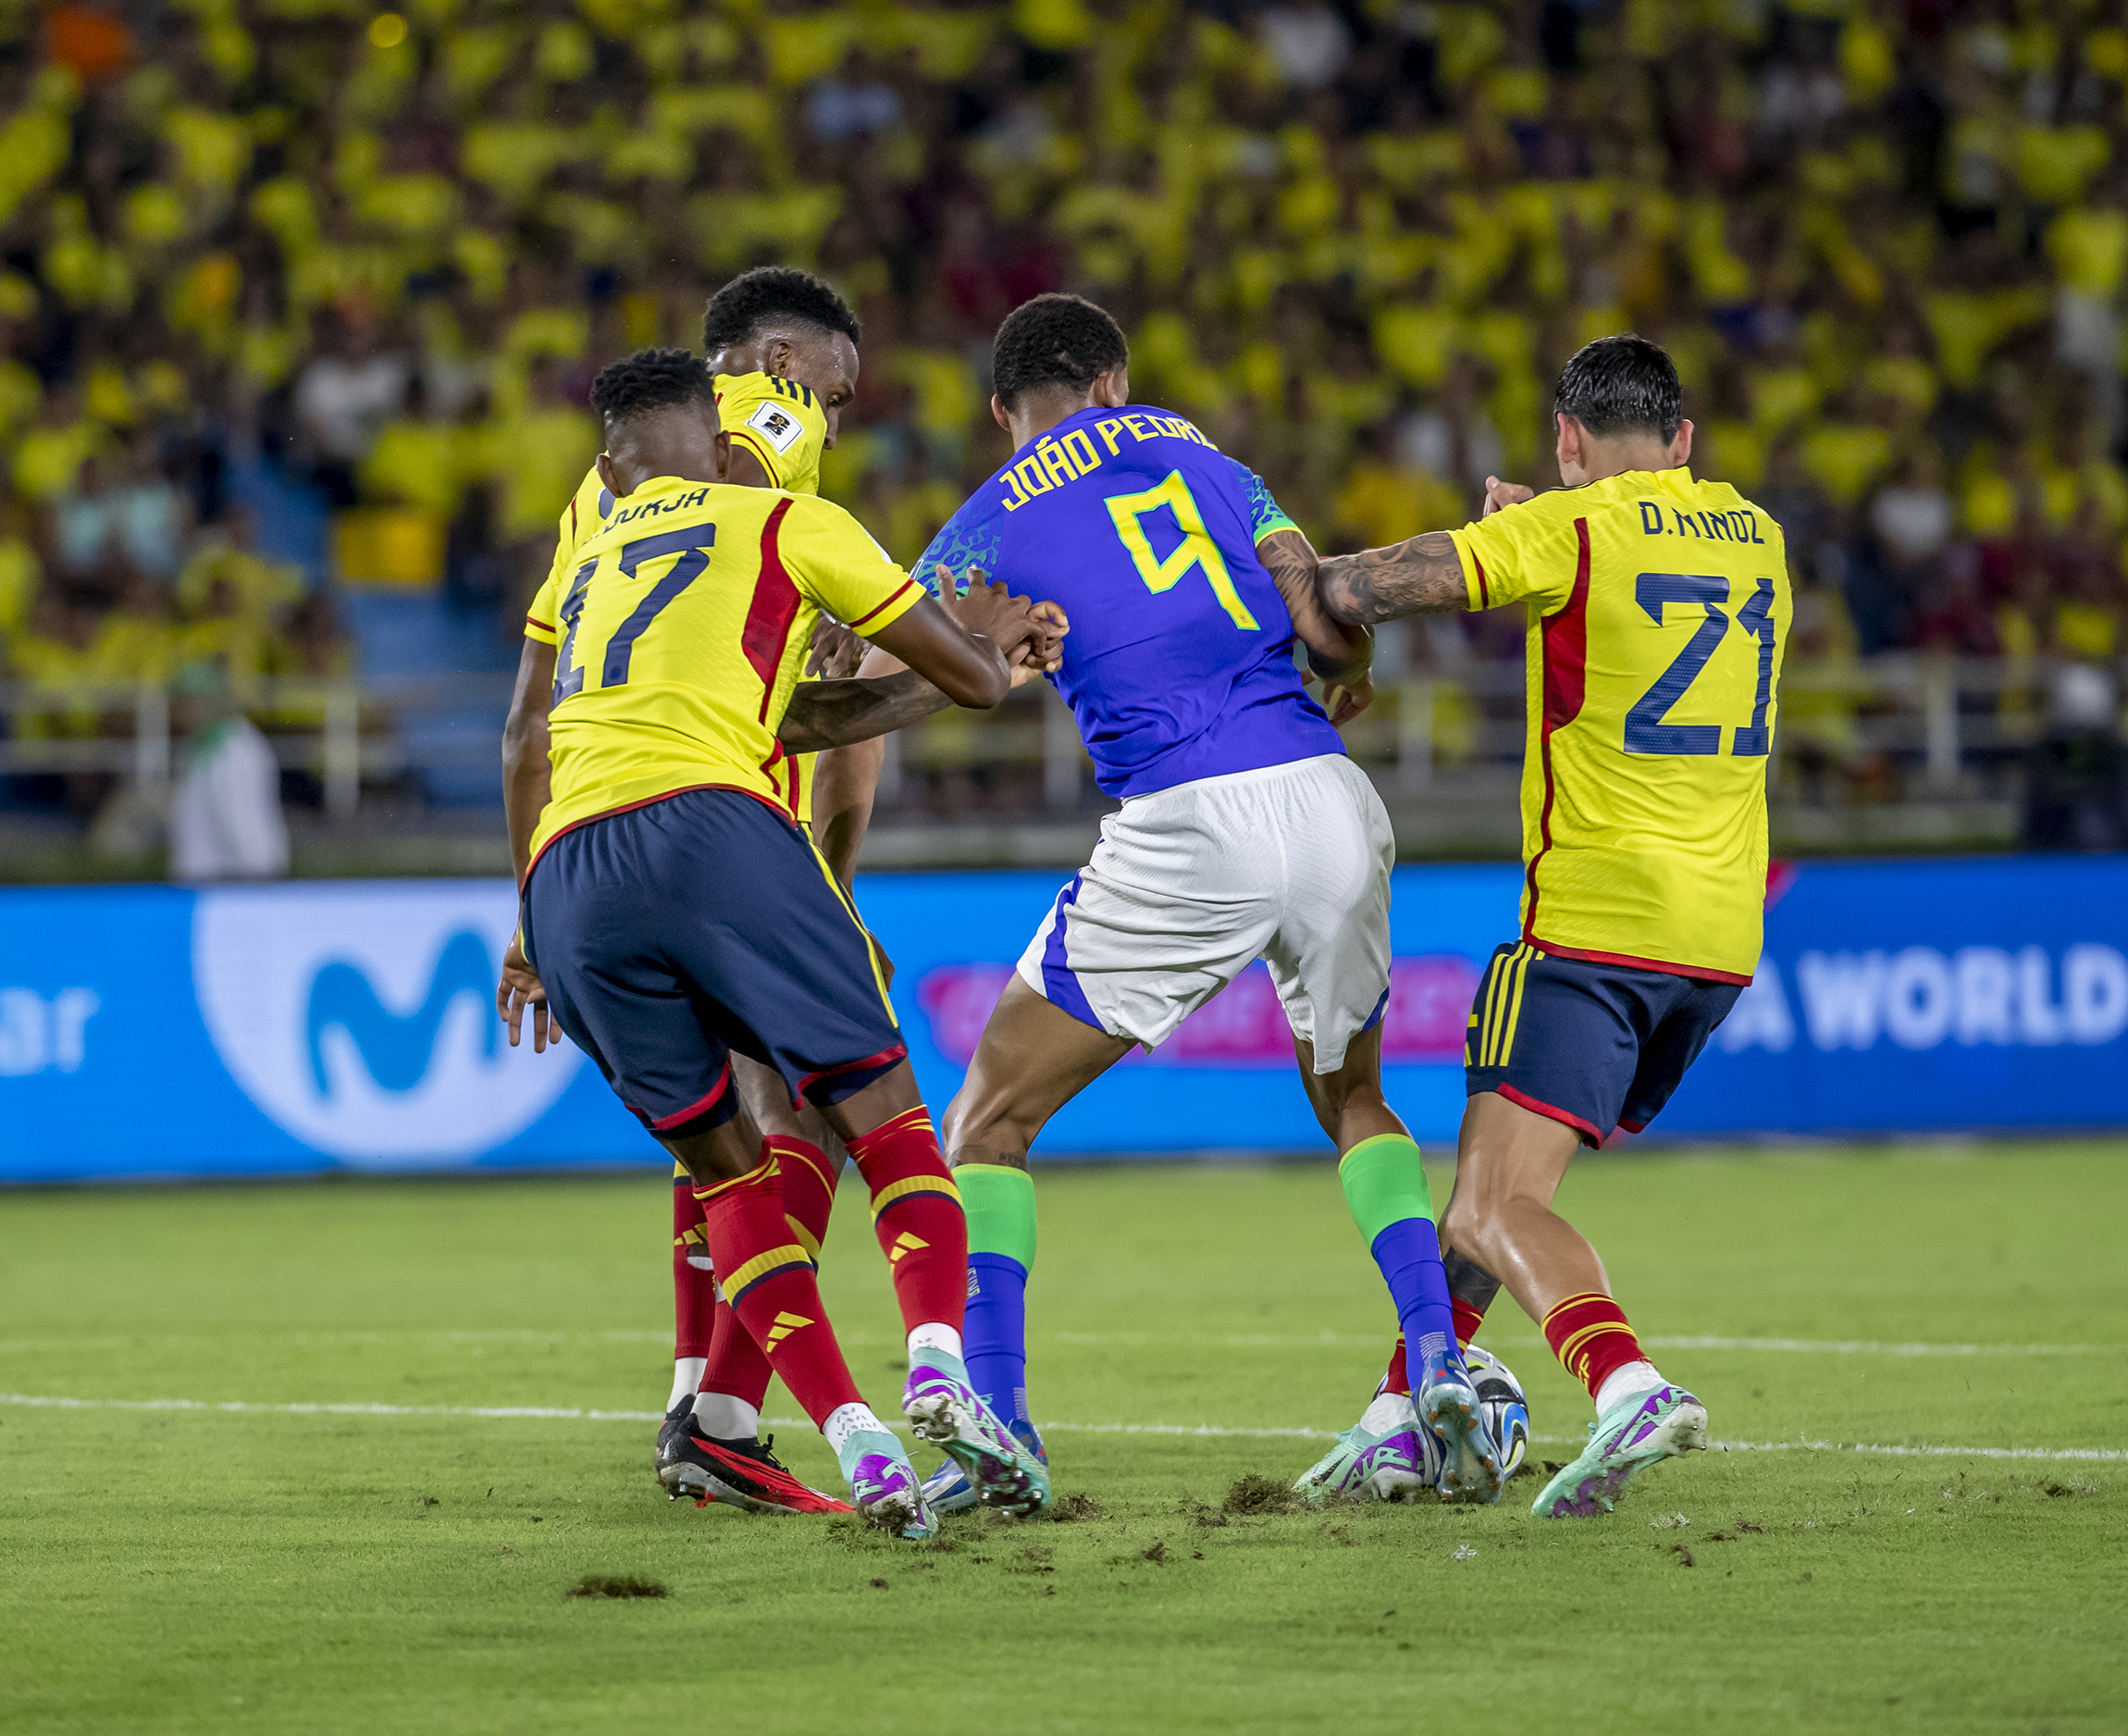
[(669, 935), (1595, 1045)]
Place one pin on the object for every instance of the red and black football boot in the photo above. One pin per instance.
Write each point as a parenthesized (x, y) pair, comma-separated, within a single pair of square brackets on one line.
[(743, 1473)]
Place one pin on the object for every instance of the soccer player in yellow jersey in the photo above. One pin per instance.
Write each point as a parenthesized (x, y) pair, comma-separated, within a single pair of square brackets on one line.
[(782, 349), (1657, 606), (674, 911)]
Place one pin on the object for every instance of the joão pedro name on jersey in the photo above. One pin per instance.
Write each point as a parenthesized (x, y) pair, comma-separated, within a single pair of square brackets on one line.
[(1059, 459)]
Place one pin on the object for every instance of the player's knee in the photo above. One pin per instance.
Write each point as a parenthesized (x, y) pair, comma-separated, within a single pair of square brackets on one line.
[(975, 1139)]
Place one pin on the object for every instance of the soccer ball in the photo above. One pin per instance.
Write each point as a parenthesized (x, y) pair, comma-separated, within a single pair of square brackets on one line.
[(1502, 1404)]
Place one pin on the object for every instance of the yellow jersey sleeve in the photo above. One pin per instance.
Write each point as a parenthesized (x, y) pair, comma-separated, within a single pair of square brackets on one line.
[(581, 520), (539, 619), (779, 421), (1525, 553), (840, 570)]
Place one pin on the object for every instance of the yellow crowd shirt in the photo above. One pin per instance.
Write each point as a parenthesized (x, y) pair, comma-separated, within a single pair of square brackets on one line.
[(1658, 609), (779, 421), (681, 632)]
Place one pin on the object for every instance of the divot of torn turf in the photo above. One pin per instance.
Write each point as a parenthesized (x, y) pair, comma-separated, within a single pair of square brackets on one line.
[(616, 1585), (1255, 1492)]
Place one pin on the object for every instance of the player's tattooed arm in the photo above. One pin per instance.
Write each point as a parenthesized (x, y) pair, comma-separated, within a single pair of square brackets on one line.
[(835, 713), (1419, 576), (1339, 655)]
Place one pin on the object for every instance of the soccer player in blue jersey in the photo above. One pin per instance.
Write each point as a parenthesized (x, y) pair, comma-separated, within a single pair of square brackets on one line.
[(1244, 833)]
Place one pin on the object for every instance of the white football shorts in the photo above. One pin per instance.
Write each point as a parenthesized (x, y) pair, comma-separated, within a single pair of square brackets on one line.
[(1189, 885)]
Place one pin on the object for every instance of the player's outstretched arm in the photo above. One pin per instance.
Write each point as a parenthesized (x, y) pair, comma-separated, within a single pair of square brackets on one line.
[(836, 713), (1340, 655), (965, 647), (1421, 574)]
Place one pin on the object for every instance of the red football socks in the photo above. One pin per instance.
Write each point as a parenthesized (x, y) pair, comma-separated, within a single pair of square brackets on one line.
[(804, 1175), (1468, 1321), (768, 1279), (694, 1287), (1590, 1335), (1398, 1378), (916, 1214)]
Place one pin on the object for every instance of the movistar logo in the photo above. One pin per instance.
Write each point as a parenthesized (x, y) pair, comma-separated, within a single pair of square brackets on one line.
[(362, 1018), (397, 1050)]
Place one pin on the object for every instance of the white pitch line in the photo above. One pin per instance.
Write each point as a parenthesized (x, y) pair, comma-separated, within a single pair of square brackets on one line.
[(554, 1413), (2105, 1454), (1858, 1347), (1805, 1346)]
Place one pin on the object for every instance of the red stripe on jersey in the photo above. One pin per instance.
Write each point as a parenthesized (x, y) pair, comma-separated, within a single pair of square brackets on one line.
[(533, 620), (1480, 564), (867, 615), (767, 633), (1565, 647), (790, 797), (1699, 972)]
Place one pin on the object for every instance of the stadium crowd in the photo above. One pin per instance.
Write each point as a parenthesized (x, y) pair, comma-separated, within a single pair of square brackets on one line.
[(266, 259)]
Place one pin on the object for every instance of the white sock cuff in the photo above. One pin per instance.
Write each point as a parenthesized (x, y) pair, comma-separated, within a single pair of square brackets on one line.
[(724, 1417), (935, 1336), (1636, 1380), (1388, 1413), (686, 1377), (848, 1420)]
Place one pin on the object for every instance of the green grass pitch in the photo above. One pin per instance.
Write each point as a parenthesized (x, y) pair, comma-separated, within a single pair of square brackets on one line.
[(264, 1569)]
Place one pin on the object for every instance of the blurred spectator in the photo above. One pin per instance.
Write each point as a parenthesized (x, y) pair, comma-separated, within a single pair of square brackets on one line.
[(853, 104), (1309, 43), (342, 399), (226, 819)]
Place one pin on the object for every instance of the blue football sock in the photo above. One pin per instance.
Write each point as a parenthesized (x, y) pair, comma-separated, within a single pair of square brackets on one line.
[(1385, 1186), (994, 1335)]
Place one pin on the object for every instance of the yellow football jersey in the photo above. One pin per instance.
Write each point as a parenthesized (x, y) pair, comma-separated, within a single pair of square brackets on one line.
[(779, 421), (682, 633), (1658, 609)]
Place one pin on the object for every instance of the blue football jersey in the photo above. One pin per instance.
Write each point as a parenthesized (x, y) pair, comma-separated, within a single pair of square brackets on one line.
[(1179, 660)]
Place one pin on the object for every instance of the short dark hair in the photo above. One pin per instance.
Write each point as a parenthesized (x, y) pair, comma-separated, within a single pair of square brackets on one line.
[(736, 311), (1622, 385), (650, 380), (1055, 340)]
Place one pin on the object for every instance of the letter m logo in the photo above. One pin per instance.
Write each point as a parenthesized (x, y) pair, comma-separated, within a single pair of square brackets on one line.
[(397, 1049)]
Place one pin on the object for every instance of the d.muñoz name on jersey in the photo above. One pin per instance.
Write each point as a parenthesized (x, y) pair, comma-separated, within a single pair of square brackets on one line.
[(1658, 609)]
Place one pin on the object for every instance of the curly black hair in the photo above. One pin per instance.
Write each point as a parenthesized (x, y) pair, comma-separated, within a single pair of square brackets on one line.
[(650, 380), (1055, 340), (738, 309), (1623, 385)]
